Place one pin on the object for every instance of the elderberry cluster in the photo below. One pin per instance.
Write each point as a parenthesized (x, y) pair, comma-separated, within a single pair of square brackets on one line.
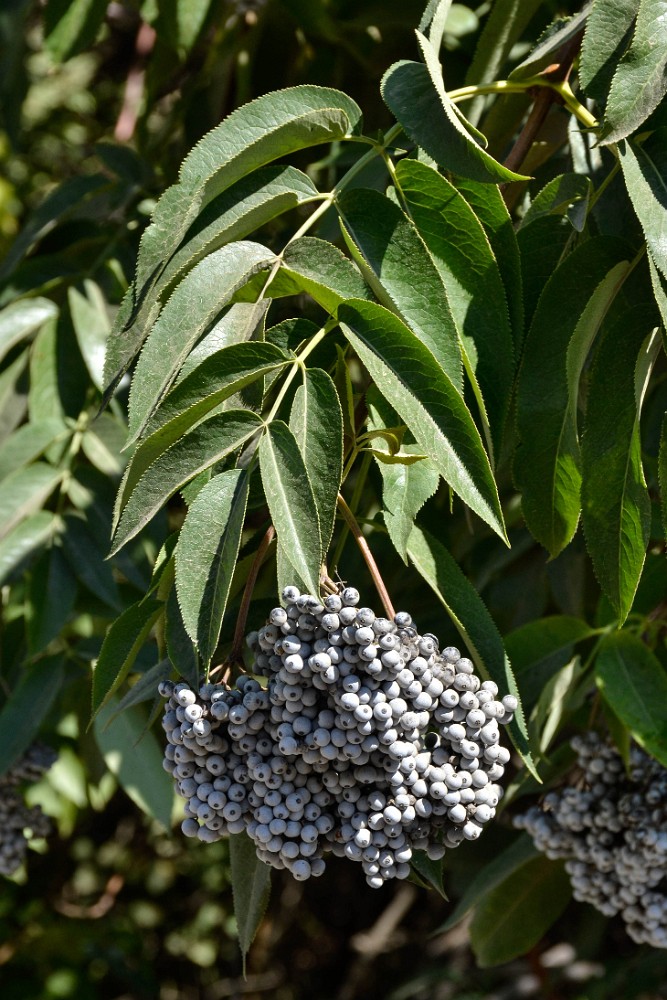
[(367, 741), (611, 827), (17, 821)]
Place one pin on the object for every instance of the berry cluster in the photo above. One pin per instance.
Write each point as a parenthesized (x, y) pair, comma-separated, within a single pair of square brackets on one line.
[(611, 826), (16, 819), (367, 741)]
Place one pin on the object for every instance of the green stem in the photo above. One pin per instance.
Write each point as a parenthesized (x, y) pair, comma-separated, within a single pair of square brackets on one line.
[(298, 366), (561, 87)]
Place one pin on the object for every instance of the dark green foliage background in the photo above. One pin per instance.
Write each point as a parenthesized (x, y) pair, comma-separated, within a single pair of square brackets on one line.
[(114, 907)]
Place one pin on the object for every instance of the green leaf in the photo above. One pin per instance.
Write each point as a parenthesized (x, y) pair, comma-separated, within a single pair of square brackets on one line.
[(27, 538), (320, 269), (538, 649), (206, 555), (552, 39), (407, 374), (460, 250), (473, 622), (547, 463), (134, 756), (180, 650), (251, 885), (517, 913), (193, 306), (102, 442), (50, 597), (615, 499), (181, 21), (23, 492), (122, 642), (662, 474), (608, 30), (432, 121), (495, 873), (429, 871), (568, 195), (22, 319), (91, 325), (82, 549), (28, 442), (542, 246), (71, 26), (27, 707), (402, 273), (646, 180), (291, 501), (316, 421), (634, 684), (560, 697), (242, 321), (236, 213), (212, 440), (640, 80), (145, 688)]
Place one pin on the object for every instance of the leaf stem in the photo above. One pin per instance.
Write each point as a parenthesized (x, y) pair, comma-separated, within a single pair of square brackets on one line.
[(298, 366), (235, 654), (368, 556)]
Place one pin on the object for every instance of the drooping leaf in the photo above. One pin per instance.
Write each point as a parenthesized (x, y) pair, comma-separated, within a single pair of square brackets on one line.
[(407, 374), (316, 421), (206, 555), (405, 490), (291, 501), (22, 319), (662, 474), (640, 80), (468, 269), (547, 463), (516, 913), (553, 39), (568, 195), (84, 551), (646, 180), (608, 31), (145, 688), (319, 268), (28, 443), (25, 491), (134, 756), (472, 620), (559, 699), (543, 245), (538, 649), (25, 541), (122, 642), (211, 441), (634, 684), (51, 593), (251, 885), (180, 649), (91, 325), (102, 443), (193, 306), (402, 273), (27, 706), (429, 871), (616, 508)]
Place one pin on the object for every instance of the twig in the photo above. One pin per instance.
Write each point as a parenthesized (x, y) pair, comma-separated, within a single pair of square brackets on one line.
[(239, 632), (368, 556), (98, 909), (134, 85)]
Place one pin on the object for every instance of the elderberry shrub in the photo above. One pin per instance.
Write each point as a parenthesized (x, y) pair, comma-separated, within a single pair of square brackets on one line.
[(611, 827), (18, 822), (367, 742)]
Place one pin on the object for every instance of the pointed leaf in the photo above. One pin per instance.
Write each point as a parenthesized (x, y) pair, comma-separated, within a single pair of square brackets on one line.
[(402, 273), (212, 440), (543, 245), (316, 421), (568, 317), (634, 684), (568, 195), (540, 648), (429, 871), (50, 597), (22, 319), (552, 39), (23, 492), (407, 374), (319, 268), (474, 623), (92, 326), (640, 80), (28, 442), (134, 756), (193, 306), (608, 31), (615, 499), (251, 885), (27, 706), (289, 495), (241, 322), (206, 555), (25, 541), (145, 688), (122, 642), (86, 558), (644, 170)]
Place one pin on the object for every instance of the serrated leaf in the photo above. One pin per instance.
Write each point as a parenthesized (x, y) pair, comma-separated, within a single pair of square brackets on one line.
[(145, 688), (27, 706), (316, 421), (320, 269), (407, 374), (646, 180), (554, 38), (402, 274), (616, 508), (405, 490), (463, 257), (122, 642), (640, 80), (634, 684), (51, 593), (474, 623), (568, 195), (547, 462), (432, 120), (25, 541), (241, 322), (211, 441), (22, 319), (251, 885), (289, 495), (206, 555), (516, 914), (543, 245), (91, 326), (538, 649), (28, 442), (82, 549), (608, 31), (428, 870), (498, 870), (181, 651), (134, 756), (193, 306), (24, 491)]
